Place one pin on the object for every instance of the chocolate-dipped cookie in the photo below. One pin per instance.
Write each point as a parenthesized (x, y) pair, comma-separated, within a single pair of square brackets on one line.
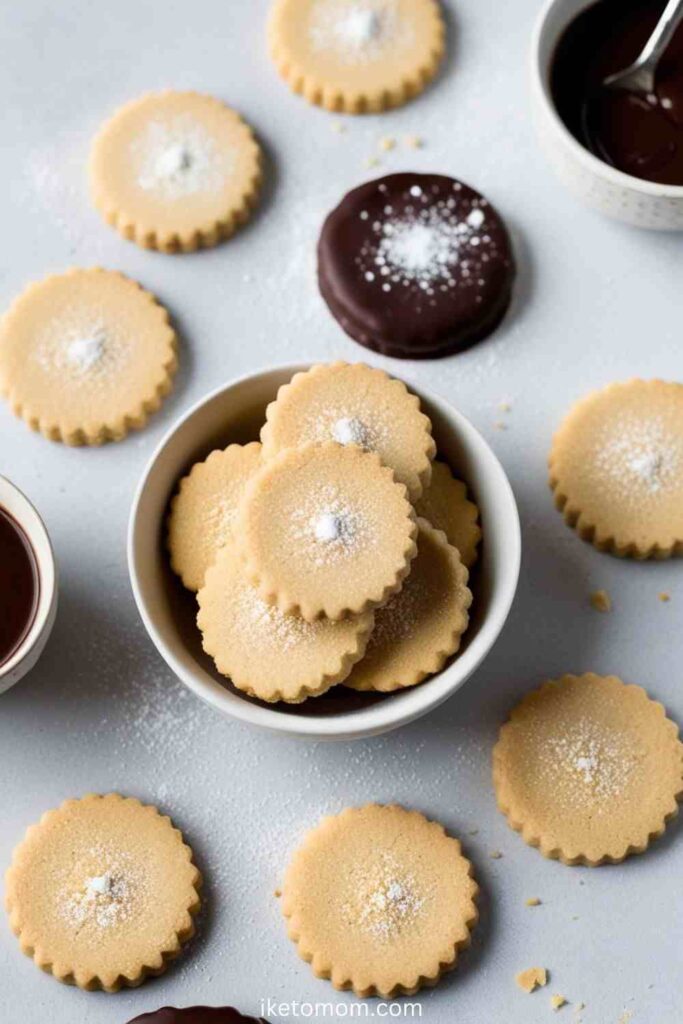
[(416, 265), (196, 1015)]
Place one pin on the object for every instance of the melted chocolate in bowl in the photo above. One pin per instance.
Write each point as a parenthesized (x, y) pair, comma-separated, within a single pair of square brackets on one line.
[(195, 1015), (19, 586), (640, 136)]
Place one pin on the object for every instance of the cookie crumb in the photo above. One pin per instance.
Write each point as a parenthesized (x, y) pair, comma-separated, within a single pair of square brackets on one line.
[(277, 894), (387, 143), (664, 597), (533, 901), (557, 1002), (414, 142), (531, 979), (495, 855), (601, 601)]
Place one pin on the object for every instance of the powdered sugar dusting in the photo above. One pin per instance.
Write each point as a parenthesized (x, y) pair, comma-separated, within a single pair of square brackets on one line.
[(107, 899), (588, 764), (387, 900), (331, 526), (80, 347), (641, 457), (177, 157), (347, 425), (360, 31), (432, 244), (265, 623)]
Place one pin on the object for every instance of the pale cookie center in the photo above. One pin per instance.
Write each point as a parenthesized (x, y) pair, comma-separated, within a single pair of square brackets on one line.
[(350, 430), (178, 158), (387, 899), (640, 456), (588, 764), (103, 901), (359, 32)]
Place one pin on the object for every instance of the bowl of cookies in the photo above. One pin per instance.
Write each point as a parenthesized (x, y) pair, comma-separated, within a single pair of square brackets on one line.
[(324, 551)]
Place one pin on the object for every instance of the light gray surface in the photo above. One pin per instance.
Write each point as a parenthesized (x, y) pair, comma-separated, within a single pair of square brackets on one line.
[(595, 302)]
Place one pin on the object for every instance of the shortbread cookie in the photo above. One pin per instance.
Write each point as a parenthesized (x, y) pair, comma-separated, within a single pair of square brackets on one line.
[(175, 171), (380, 900), (588, 769), (416, 266), (354, 404), (444, 504), (196, 1015), (268, 653), (85, 356), (326, 531), (357, 56), (102, 892), (616, 469), (421, 626), (204, 509)]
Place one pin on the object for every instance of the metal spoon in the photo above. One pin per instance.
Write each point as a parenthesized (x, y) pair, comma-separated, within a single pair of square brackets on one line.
[(639, 77)]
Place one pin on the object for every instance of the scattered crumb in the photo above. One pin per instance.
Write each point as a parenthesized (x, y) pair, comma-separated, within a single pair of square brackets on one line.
[(414, 142), (626, 1016), (505, 406), (557, 1002), (499, 425), (339, 127), (387, 143), (579, 1007), (277, 894), (531, 979), (495, 855), (372, 161), (533, 901), (664, 596), (601, 601)]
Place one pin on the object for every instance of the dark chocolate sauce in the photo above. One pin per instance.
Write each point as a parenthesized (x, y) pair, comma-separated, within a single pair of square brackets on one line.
[(196, 1015), (19, 586), (642, 137)]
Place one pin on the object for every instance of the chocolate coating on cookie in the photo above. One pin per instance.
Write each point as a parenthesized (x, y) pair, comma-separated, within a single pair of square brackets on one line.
[(416, 265), (196, 1015)]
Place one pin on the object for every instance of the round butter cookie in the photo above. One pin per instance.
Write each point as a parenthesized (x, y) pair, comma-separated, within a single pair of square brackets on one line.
[(354, 404), (380, 900), (102, 892), (445, 505), (589, 770), (175, 171), (326, 530)]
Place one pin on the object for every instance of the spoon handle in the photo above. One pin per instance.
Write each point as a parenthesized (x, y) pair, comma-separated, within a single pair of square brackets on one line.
[(662, 35)]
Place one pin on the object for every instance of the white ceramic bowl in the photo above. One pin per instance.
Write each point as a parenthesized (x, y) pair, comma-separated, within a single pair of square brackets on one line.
[(621, 196), (235, 412), (31, 647)]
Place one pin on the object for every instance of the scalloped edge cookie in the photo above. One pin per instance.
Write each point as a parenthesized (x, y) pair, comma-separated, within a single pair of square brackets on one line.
[(274, 593), (446, 506), (264, 686), (70, 974), (342, 979), (179, 523), (417, 479), (151, 236), (449, 643), (354, 101), (530, 832), (595, 533), (133, 419)]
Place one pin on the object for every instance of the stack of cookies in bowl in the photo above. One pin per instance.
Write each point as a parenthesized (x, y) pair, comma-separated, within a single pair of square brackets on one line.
[(334, 551)]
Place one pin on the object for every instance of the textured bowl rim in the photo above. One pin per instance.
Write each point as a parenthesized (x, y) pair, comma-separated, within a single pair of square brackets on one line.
[(541, 88), (385, 715)]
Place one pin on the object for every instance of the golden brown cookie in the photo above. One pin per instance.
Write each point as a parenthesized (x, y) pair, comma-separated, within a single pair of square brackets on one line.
[(357, 56), (589, 770), (420, 627), (444, 504), (267, 653), (204, 509), (380, 900), (616, 468), (326, 530), (102, 892), (86, 356), (354, 404), (175, 171)]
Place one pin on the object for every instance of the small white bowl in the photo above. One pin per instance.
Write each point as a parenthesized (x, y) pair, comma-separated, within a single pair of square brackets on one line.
[(235, 412), (644, 204), (26, 655)]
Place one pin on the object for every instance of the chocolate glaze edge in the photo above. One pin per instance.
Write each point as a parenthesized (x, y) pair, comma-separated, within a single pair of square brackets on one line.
[(196, 1015)]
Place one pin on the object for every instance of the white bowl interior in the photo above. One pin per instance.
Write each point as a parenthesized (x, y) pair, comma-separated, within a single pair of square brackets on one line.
[(235, 414), (21, 510)]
